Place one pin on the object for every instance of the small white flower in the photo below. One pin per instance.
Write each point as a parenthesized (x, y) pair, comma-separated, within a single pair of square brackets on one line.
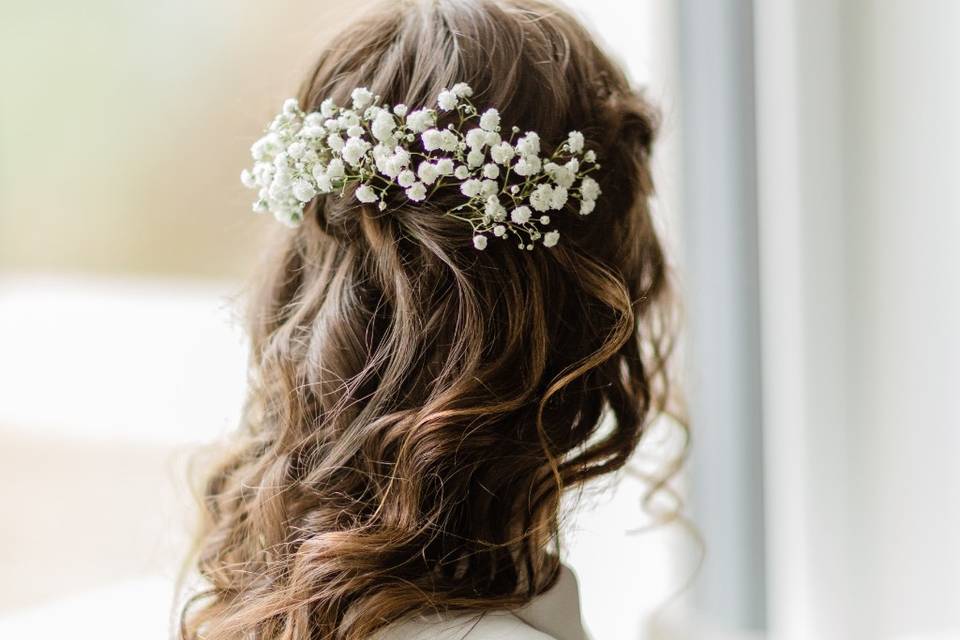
[(324, 183), (550, 238), (332, 124), (303, 191), (462, 90), (589, 188), (575, 141), (475, 158), (480, 242), (520, 215), (527, 166), (355, 131), (445, 166), (558, 198), (491, 171), (291, 106), (361, 97), (499, 230), (420, 120), (476, 138), (447, 100), (432, 139), (296, 150), (406, 178), (470, 188), (490, 120), (427, 172), (493, 209), (448, 141), (400, 109), (383, 126), (328, 108), (417, 191), (348, 119), (354, 151), (247, 179), (502, 153), (590, 156), (313, 131), (586, 206), (529, 144), (488, 188), (541, 197), (365, 193), (335, 169), (335, 142)]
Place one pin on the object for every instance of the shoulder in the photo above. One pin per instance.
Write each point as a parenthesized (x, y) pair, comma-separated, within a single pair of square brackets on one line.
[(487, 626)]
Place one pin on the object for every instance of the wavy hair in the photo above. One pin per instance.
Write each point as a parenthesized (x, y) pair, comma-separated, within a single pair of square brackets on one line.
[(418, 407)]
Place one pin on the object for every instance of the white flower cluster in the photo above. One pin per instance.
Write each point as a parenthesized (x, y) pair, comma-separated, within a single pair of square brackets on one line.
[(509, 189)]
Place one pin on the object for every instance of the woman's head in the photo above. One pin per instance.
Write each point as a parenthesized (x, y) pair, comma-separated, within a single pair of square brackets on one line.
[(417, 406)]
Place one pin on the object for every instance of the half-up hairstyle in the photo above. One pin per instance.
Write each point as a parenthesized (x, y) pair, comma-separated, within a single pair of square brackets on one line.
[(417, 407)]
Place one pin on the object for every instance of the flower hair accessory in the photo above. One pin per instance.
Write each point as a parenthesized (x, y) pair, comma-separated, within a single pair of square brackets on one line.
[(508, 189)]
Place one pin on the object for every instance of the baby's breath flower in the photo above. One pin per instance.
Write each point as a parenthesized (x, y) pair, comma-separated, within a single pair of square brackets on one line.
[(335, 142), (475, 158), (303, 191), (541, 197), (445, 166), (447, 100), (328, 108), (371, 146), (589, 188), (383, 126), (529, 144), (520, 215), (490, 120), (365, 193), (502, 153), (416, 192), (427, 172), (361, 97), (420, 120), (470, 188), (462, 90), (406, 178)]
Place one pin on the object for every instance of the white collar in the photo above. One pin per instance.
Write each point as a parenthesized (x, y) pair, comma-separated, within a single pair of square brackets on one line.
[(557, 611)]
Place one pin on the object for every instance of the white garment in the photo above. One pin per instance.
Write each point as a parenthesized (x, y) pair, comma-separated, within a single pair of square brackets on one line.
[(554, 615)]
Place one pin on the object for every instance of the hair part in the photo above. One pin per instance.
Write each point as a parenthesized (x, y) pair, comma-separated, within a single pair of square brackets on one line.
[(416, 407)]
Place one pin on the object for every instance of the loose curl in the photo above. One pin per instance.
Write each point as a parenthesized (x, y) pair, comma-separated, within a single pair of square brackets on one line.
[(417, 407)]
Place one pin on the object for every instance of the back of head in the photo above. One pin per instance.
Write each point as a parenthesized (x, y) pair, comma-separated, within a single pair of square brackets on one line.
[(417, 406)]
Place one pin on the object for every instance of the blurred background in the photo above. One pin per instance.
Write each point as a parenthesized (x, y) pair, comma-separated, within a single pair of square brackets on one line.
[(808, 188)]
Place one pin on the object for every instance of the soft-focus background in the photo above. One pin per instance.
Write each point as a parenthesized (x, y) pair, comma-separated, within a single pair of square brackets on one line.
[(809, 190)]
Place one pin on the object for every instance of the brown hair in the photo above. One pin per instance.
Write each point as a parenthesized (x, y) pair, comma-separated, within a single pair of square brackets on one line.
[(417, 407)]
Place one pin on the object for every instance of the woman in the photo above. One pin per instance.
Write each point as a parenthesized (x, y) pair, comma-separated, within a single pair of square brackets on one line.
[(463, 323)]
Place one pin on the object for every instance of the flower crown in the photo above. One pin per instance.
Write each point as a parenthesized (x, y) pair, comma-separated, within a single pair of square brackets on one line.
[(508, 188)]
